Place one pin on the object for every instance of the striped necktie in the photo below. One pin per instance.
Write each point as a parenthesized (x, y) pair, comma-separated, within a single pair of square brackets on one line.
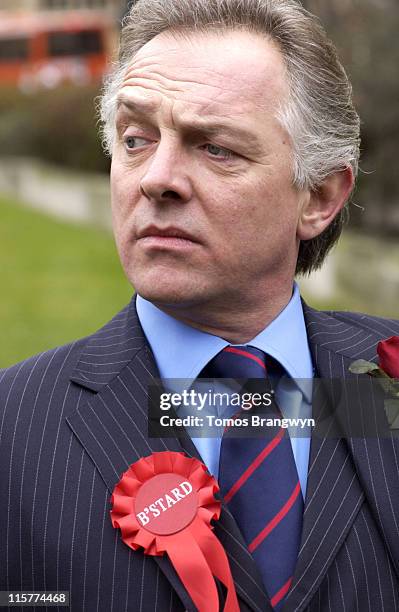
[(259, 481)]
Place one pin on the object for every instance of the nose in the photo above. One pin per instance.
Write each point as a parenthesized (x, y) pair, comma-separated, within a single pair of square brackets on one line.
[(166, 179)]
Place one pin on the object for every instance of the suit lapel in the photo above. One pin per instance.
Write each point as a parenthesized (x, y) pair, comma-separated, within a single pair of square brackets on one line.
[(112, 426), (333, 499), (117, 366), (339, 478)]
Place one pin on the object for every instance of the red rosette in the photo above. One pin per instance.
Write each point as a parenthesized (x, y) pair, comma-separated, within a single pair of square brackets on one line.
[(164, 503)]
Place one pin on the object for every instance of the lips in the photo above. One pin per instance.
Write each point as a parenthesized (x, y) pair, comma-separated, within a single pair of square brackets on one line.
[(153, 231)]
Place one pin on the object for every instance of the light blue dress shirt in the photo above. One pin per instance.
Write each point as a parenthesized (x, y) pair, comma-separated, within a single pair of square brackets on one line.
[(181, 352)]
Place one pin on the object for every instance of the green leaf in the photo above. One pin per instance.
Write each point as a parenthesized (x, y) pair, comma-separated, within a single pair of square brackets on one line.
[(361, 366), (392, 411), (386, 384), (379, 373)]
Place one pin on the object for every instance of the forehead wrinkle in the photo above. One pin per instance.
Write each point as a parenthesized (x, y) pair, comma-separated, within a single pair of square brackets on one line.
[(137, 103), (169, 84), (145, 97), (156, 66), (217, 98), (148, 100)]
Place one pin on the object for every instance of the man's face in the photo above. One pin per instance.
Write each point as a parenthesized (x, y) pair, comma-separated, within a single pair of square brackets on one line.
[(203, 204)]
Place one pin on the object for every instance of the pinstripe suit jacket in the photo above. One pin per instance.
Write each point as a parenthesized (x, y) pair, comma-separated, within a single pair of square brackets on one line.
[(74, 418)]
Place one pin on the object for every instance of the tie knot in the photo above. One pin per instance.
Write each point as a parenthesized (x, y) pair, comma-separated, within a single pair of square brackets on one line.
[(237, 362)]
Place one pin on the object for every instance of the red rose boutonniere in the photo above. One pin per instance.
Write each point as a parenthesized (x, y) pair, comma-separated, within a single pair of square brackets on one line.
[(388, 352), (387, 373)]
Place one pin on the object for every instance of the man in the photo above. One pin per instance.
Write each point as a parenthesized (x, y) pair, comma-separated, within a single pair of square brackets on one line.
[(234, 148)]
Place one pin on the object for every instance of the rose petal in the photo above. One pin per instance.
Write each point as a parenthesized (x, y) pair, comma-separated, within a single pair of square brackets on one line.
[(388, 352)]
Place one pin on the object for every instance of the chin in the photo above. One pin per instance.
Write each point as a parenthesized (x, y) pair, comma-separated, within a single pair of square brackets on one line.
[(164, 293), (166, 284), (162, 298)]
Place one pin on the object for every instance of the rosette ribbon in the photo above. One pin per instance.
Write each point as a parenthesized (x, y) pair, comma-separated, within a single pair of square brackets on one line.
[(164, 503)]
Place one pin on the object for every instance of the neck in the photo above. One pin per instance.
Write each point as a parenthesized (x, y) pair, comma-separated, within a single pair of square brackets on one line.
[(238, 323)]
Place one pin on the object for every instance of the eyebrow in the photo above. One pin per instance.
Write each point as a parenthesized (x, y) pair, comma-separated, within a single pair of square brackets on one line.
[(144, 108)]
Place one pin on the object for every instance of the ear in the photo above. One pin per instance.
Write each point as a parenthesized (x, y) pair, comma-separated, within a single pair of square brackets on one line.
[(323, 204)]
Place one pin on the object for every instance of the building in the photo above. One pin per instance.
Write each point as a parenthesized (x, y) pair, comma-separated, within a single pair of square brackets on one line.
[(114, 7)]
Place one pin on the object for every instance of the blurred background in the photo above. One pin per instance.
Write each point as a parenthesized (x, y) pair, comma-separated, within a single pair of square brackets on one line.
[(61, 278)]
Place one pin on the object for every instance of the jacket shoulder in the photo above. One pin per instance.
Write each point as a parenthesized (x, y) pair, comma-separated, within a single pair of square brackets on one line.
[(52, 370), (41, 370), (379, 326)]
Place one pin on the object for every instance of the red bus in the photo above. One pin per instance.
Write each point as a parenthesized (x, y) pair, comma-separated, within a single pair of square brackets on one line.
[(46, 49)]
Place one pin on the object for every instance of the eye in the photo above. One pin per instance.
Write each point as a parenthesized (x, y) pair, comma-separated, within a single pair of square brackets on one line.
[(133, 142), (218, 152)]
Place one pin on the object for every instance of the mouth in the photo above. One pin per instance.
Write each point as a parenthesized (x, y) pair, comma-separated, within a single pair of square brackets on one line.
[(167, 237)]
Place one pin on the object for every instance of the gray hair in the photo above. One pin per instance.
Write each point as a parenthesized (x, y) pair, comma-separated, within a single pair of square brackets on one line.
[(319, 115)]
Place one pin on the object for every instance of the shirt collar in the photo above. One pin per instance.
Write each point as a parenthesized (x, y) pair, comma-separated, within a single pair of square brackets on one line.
[(181, 351)]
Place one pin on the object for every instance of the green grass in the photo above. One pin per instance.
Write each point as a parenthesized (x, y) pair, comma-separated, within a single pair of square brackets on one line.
[(59, 282)]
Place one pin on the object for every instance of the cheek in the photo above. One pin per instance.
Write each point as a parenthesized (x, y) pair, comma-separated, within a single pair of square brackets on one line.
[(119, 210), (116, 189), (122, 196), (264, 217)]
